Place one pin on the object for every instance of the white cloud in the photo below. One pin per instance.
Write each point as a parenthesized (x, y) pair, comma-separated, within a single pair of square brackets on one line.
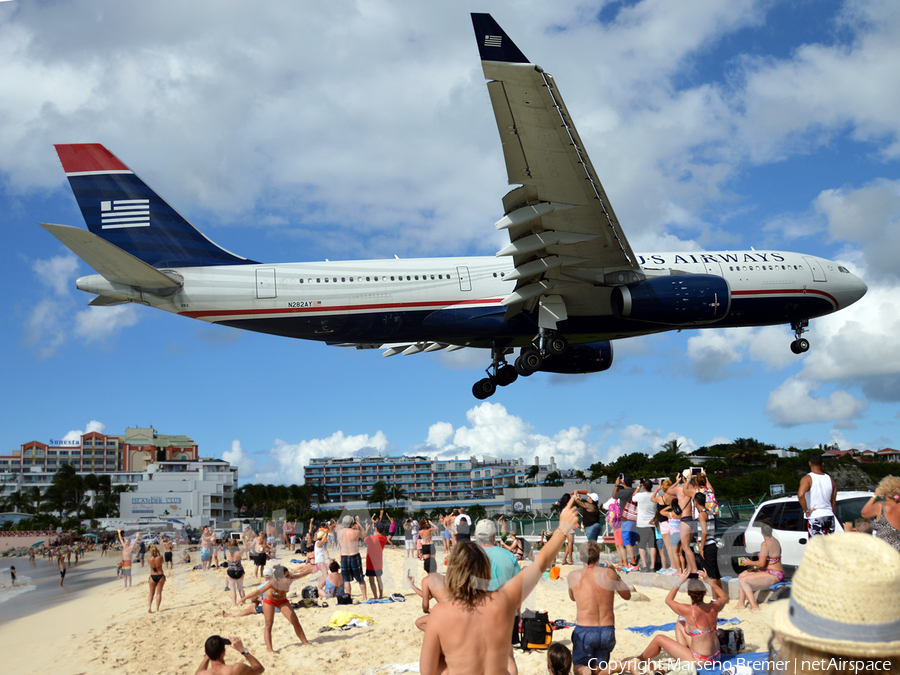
[(637, 438), (76, 434), (98, 324), (794, 403), (290, 458), (237, 457), (57, 273), (439, 433)]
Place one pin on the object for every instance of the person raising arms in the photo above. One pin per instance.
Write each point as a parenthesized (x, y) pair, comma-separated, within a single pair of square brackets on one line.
[(213, 662), (470, 634)]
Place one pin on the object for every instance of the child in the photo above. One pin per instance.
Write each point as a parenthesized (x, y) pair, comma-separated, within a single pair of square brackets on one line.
[(12, 573), (559, 659)]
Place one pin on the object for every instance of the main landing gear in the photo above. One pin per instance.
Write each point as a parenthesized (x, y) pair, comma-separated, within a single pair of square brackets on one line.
[(499, 373), (800, 344), (530, 360)]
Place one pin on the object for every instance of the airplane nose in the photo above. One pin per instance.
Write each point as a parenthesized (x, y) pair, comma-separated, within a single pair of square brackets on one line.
[(855, 290)]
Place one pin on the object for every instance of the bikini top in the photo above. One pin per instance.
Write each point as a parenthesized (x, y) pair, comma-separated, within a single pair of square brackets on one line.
[(774, 559), (693, 632)]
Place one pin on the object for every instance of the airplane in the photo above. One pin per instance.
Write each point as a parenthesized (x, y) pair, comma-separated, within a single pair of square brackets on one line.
[(567, 285)]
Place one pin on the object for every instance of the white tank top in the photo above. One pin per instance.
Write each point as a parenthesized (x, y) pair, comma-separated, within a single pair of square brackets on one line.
[(320, 554), (819, 496)]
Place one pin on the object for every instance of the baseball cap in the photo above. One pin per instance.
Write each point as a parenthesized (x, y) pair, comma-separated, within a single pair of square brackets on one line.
[(268, 572), (347, 521), (594, 497), (485, 528)]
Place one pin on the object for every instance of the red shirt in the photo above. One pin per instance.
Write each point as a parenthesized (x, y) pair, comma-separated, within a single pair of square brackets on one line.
[(374, 547)]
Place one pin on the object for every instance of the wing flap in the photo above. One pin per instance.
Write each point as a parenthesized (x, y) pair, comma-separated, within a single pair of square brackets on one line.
[(111, 262)]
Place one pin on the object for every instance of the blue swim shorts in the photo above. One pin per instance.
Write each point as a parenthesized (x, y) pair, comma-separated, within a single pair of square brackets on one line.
[(592, 645), (205, 554), (351, 568), (629, 532)]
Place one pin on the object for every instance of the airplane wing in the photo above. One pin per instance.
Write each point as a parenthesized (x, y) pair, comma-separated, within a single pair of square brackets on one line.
[(564, 234)]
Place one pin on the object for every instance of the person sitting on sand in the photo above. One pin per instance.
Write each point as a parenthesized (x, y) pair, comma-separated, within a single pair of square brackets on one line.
[(559, 659), (157, 578), (767, 569), (695, 631), (514, 545), (213, 662), (274, 593), (333, 582), (471, 633), (433, 586)]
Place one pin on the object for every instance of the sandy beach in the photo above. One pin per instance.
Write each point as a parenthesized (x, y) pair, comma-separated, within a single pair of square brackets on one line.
[(94, 626)]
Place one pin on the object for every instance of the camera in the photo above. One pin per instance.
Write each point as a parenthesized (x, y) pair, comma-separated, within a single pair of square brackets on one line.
[(226, 641)]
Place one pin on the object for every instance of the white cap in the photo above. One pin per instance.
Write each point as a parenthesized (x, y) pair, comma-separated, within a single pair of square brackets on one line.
[(594, 497), (268, 572)]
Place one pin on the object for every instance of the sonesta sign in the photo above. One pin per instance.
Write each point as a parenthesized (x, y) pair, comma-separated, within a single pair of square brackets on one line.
[(65, 443)]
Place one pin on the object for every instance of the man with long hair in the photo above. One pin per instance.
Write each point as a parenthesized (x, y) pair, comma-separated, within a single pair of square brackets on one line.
[(470, 634)]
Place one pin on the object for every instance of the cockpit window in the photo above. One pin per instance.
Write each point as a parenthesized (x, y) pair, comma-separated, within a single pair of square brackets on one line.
[(843, 269)]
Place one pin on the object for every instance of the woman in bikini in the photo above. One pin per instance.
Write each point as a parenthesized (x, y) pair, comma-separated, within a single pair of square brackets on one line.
[(695, 631), (157, 578), (333, 581), (767, 570), (274, 593), (426, 530), (234, 552)]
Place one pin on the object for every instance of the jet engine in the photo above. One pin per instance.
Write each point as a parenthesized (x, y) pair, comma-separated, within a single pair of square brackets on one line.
[(675, 300), (589, 357)]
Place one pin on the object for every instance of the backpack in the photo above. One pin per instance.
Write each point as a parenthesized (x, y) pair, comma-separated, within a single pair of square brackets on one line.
[(344, 599), (731, 640), (537, 631), (712, 506), (309, 592)]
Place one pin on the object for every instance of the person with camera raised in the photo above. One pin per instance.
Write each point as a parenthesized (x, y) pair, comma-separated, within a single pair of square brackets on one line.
[(213, 662)]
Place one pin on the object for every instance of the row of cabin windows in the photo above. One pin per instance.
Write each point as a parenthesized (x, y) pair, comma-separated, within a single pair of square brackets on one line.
[(413, 277), (745, 268)]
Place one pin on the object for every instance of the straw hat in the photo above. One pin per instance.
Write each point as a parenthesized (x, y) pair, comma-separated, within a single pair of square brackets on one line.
[(844, 597)]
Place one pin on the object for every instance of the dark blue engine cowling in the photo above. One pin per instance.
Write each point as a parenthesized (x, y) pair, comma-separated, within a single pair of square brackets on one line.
[(677, 299), (590, 357)]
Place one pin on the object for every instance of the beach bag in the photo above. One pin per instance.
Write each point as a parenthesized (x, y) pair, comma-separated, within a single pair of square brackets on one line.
[(712, 506), (344, 599), (537, 631), (309, 592), (731, 640), (396, 597), (630, 511), (613, 515)]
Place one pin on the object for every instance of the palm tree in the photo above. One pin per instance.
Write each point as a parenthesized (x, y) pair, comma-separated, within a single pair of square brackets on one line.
[(380, 493), (20, 502), (396, 493)]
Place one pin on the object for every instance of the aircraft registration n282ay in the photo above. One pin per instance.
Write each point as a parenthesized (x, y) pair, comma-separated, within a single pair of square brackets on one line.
[(566, 286)]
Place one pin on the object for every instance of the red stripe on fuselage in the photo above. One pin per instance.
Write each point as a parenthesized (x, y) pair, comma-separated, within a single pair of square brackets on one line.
[(789, 291), (337, 308)]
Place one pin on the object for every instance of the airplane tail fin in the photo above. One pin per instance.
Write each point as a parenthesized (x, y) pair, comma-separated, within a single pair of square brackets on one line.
[(122, 209)]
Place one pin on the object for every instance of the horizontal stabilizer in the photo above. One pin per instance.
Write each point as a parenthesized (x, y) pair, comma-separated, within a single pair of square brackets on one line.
[(111, 262), (106, 301)]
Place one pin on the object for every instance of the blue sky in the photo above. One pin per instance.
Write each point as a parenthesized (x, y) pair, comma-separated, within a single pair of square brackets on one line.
[(348, 130)]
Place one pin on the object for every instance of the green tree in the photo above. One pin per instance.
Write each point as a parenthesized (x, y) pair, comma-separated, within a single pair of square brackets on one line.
[(380, 494), (533, 471), (553, 478), (397, 493)]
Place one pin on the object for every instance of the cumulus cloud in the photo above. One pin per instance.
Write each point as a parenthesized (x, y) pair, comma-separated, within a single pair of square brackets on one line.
[(794, 403), (76, 434), (638, 438), (290, 458), (57, 273), (237, 457)]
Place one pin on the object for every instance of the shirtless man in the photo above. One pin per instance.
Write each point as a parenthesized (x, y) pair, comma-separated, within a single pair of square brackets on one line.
[(213, 662), (168, 547), (61, 564), (351, 562), (271, 540), (593, 589), (470, 634), (206, 542), (127, 551)]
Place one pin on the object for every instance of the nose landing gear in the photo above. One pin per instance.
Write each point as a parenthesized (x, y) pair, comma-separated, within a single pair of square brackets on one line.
[(800, 344)]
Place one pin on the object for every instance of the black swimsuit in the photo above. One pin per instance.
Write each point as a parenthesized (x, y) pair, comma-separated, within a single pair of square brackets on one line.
[(235, 569)]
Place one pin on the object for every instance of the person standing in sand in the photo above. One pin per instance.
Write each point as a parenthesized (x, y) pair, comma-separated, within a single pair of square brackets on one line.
[(168, 548), (213, 662), (61, 564), (470, 634), (594, 589), (274, 593), (127, 551), (817, 496), (351, 562), (206, 539), (157, 578)]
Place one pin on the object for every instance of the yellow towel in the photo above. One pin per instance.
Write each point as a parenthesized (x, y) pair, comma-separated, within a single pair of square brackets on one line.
[(343, 617)]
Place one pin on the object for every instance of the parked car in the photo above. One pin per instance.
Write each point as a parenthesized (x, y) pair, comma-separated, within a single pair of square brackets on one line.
[(789, 525)]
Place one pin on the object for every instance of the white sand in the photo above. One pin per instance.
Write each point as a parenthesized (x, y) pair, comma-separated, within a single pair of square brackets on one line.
[(108, 630)]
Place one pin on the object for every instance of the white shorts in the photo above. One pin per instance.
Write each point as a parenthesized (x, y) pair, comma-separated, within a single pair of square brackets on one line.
[(271, 541), (410, 544), (293, 539)]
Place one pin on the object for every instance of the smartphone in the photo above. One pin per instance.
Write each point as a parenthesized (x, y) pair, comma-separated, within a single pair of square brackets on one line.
[(226, 641), (693, 575)]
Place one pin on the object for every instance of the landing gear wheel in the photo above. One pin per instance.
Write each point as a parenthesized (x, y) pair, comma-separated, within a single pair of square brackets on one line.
[(506, 375), (531, 360), (522, 369), (484, 388), (800, 346), (557, 344)]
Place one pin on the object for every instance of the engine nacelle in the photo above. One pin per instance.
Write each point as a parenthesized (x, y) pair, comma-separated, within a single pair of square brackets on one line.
[(589, 357), (676, 299)]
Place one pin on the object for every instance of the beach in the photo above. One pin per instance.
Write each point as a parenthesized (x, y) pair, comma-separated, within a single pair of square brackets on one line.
[(94, 626)]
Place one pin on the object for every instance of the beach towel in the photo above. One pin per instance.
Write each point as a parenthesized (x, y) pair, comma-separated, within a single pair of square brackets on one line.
[(343, 618), (376, 602), (647, 631), (393, 669)]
